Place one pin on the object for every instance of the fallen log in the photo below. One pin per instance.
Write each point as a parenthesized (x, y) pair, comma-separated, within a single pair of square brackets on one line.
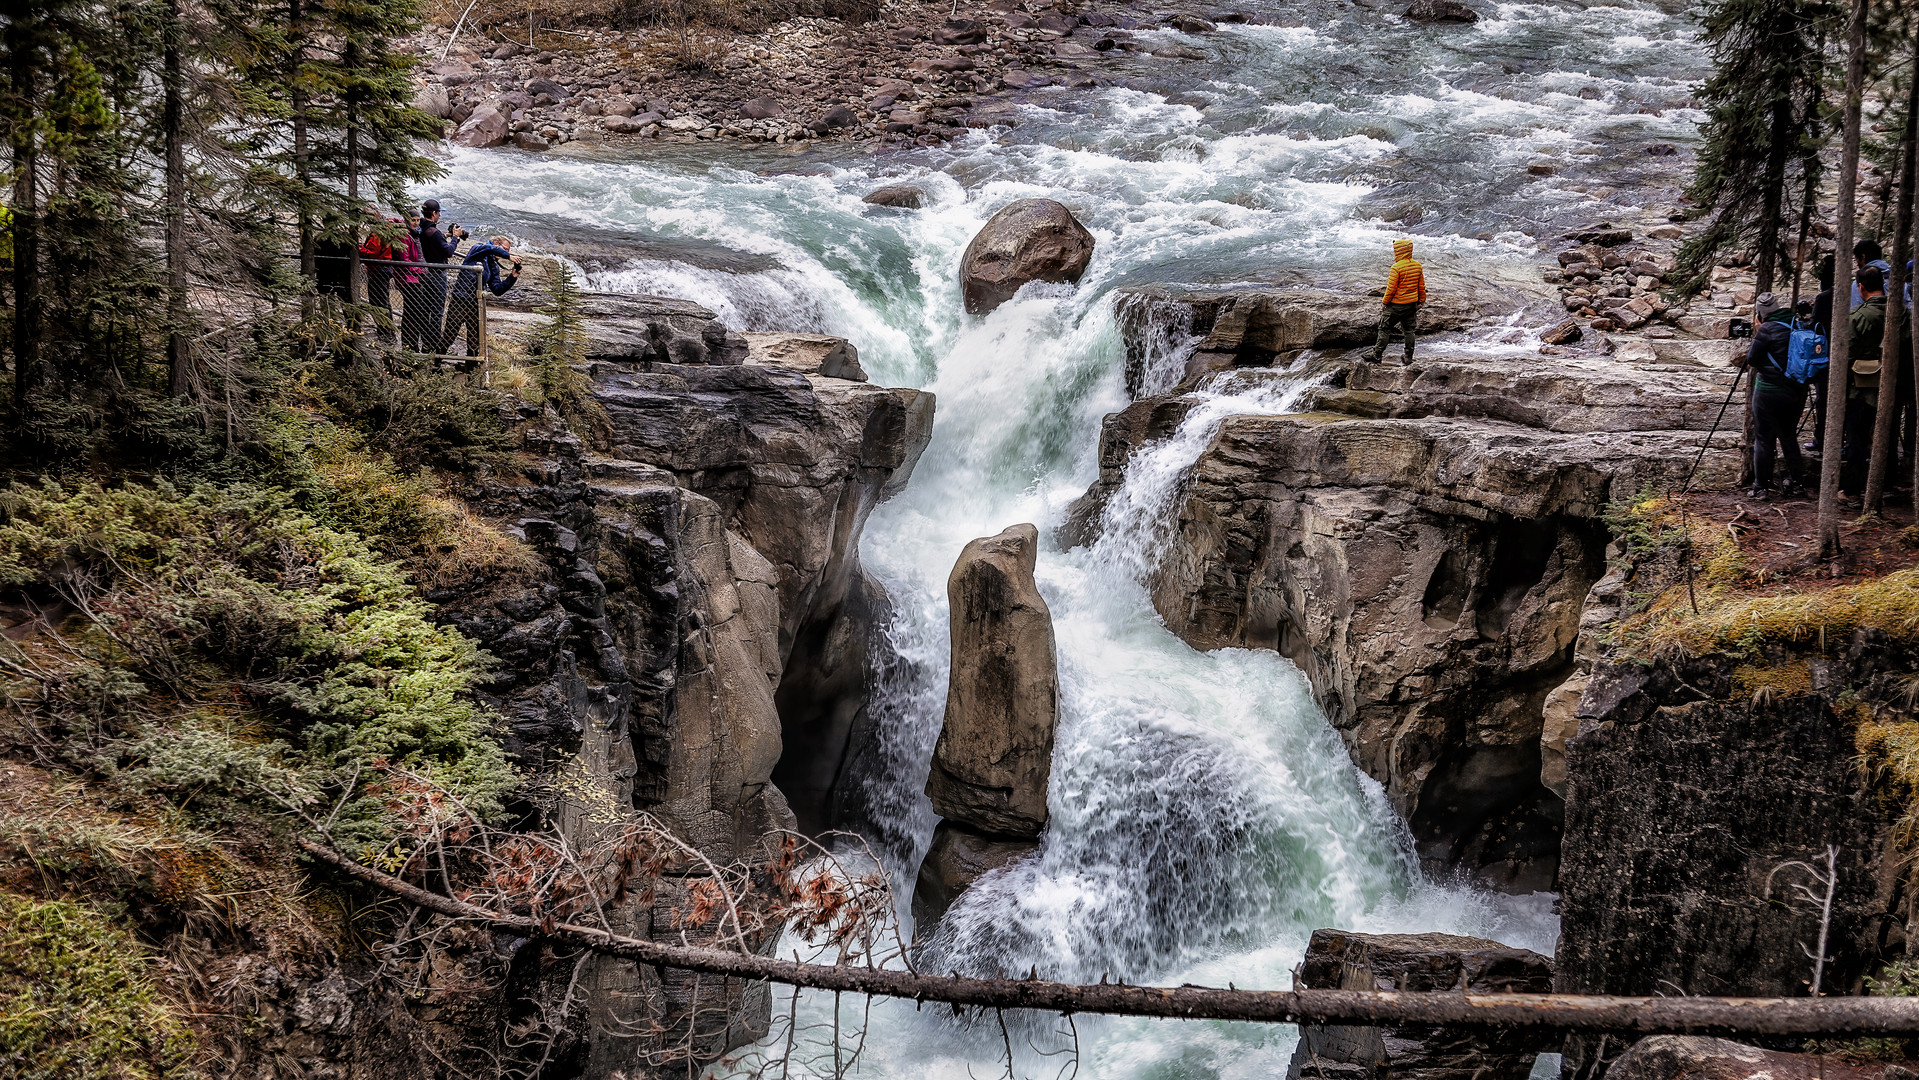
[(1587, 1014)]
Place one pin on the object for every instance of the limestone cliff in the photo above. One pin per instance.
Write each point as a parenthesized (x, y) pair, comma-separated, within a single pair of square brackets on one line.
[(698, 650), (1422, 545)]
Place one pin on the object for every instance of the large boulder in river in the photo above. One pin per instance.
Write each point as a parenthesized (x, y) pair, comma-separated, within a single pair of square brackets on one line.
[(486, 127), (899, 196), (1028, 240), (1343, 960), (1441, 11), (995, 751)]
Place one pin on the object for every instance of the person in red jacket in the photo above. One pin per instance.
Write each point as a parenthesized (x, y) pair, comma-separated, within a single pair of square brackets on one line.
[(1405, 292), (376, 255)]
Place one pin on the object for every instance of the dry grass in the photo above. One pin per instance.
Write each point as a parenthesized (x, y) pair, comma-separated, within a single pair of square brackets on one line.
[(1822, 620), (441, 541)]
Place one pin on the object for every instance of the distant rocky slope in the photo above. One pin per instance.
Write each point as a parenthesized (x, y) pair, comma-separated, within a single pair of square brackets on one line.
[(919, 71)]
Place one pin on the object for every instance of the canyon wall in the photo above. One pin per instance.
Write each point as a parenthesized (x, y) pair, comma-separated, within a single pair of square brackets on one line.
[(1422, 543), (698, 649)]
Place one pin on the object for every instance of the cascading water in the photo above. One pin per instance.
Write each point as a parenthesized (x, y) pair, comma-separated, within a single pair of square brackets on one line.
[(1205, 818)]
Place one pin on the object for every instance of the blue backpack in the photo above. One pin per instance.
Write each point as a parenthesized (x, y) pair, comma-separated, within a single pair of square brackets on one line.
[(1806, 356)]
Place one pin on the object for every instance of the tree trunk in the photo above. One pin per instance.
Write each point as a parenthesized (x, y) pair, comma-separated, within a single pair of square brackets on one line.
[(1836, 375), (1630, 1016), (180, 376), (1773, 192), (1885, 424), (302, 198), (26, 226), (1809, 170)]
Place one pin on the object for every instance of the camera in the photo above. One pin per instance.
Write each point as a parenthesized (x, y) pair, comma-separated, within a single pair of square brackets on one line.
[(1739, 328), (456, 232)]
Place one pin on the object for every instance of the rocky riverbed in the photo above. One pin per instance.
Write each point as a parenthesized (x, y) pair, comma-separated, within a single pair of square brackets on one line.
[(921, 72)]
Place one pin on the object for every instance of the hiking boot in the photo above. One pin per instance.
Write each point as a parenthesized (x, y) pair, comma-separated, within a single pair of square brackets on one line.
[(1758, 493)]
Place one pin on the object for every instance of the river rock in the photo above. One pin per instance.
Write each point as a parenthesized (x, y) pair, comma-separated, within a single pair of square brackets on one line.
[(1693, 1057), (1027, 240), (957, 858), (486, 127), (995, 751), (548, 89), (1343, 960), (1441, 11), (902, 196), (763, 108), (1566, 333), (836, 118), (433, 101), (809, 354)]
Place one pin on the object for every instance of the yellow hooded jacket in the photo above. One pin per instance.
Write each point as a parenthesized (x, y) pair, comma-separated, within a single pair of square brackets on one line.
[(1406, 284)]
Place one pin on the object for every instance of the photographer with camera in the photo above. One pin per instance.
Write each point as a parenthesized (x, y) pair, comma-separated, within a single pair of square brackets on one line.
[(463, 308), (435, 247)]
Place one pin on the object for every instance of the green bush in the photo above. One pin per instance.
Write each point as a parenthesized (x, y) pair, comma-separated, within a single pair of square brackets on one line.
[(228, 650), (76, 1002)]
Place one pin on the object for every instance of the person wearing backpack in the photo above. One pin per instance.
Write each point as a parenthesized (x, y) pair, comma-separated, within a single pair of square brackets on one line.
[(1777, 398)]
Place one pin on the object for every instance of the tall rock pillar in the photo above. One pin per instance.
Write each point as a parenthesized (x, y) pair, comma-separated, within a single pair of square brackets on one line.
[(995, 751)]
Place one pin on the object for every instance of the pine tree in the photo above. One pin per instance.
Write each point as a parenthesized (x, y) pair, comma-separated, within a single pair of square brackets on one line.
[(559, 348), (1761, 116)]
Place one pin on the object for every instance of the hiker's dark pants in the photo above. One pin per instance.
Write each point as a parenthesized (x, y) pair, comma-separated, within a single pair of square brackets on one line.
[(1403, 316), (420, 319), (379, 293), (1855, 454), (462, 313), (1818, 440), (1775, 420)]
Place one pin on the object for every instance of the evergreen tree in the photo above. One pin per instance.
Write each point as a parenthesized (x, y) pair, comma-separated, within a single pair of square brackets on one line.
[(1762, 119)]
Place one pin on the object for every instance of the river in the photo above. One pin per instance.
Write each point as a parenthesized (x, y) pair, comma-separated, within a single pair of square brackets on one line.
[(1205, 818)]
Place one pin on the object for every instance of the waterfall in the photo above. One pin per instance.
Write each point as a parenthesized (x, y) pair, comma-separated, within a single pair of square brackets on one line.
[(1205, 818)]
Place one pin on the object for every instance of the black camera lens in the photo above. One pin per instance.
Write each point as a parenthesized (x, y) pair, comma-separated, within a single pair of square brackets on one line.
[(1739, 328)]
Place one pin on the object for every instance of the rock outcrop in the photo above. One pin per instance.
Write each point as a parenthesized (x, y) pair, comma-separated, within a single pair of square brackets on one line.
[(796, 462), (1685, 800), (1423, 553), (808, 354), (1027, 240), (698, 638), (1343, 960), (623, 328), (1173, 333), (1693, 1057), (1441, 11), (994, 757)]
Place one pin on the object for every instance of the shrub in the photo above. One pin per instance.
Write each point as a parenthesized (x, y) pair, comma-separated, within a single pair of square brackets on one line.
[(76, 1002), (228, 647)]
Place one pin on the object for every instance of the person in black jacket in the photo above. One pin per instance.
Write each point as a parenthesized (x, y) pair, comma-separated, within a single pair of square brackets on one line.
[(1776, 399), (435, 247)]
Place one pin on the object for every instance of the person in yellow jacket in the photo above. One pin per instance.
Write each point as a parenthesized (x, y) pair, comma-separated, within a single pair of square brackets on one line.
[(1405, 291)]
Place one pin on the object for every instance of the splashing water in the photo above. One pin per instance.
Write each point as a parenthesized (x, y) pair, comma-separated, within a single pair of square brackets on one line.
[(1204, 817)]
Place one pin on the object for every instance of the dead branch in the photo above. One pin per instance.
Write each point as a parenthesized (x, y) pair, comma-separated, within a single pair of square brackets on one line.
[(1595, 1014)]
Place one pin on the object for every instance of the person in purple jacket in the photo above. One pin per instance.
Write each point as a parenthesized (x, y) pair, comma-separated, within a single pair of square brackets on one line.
[(463, 305)]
